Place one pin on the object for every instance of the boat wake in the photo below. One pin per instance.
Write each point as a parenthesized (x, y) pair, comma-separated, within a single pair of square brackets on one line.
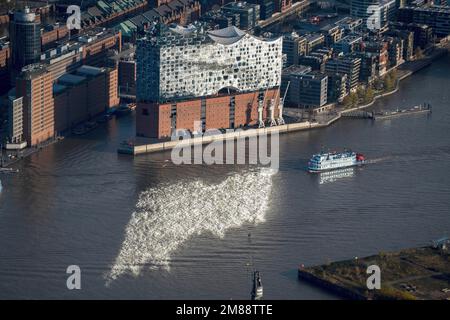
[(377, 160), (167, 216)]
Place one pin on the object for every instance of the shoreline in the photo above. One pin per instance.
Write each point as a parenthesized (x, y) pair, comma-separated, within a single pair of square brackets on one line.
[(150, 147), (420, 65), (158, 146), (238, 134), (28, 151), (409, 274)]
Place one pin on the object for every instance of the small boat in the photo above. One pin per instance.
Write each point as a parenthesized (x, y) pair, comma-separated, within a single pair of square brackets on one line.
[(425, 108), (335, 160), (257, 292)]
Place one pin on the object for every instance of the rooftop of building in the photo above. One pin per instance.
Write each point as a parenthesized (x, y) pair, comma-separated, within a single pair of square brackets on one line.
[(80, 75), (176, 5), (351, 38), (139, 20), (324, 50), (213, 14), (95, 34), (70, 79), (344, 59), (240, 5), (315, 75), (349, 20), (155, 14), (227, 36), (89, 70), (293, 35), (304, 72), (102, 9), (198, 32), (58, 88), (411, 24), (329, 28), (76, 45), (25, 15), (320, 55), (4, 44), (314, 37), (52, 26), (296, 70), (125, 55), (376, 43), (33, 70), (434, 8), (163, 10)]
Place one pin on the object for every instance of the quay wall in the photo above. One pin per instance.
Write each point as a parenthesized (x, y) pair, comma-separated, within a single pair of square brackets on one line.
[(168, 145), (329, 286)]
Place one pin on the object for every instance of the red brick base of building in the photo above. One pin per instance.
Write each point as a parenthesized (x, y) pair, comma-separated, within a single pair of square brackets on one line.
[(158, 120)]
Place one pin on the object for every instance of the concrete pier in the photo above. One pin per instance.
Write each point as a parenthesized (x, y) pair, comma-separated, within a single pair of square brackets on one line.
[(143, 148)]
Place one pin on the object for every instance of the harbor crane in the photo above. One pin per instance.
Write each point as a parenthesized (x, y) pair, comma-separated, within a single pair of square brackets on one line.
[(272, 121), (280, 119)]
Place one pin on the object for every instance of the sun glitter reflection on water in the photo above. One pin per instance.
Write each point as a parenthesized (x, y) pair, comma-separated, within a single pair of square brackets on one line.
[(167, 216)]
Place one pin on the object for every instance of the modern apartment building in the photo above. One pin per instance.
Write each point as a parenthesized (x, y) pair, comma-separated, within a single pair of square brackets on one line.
[(35, 85), (314, 41), (337, 87), (350, 66), (375, 14), (378, 49), (249, 13), (267, 8), (16, 139), (332, 33), (437, 17), (348, 44), (25, 37), (294, 46), (307, 89), (423, 34)]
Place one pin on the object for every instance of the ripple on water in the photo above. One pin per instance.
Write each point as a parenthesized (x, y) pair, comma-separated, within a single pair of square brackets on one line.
[(167, 216)]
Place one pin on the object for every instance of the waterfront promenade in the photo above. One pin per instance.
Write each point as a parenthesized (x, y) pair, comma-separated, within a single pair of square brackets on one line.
[(403, 72), (143, 147)]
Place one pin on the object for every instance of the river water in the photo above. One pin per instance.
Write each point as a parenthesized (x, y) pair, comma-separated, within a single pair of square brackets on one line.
[(145, 228)]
